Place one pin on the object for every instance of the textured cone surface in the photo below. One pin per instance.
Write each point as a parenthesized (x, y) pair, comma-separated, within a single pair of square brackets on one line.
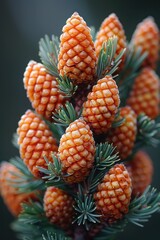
[(36, 141), (123, 137), (114, 193), (144, 96), (101, 106), (42, 89), (141, 171), (76, 151), (110, 27), (10, 195), (77, 57), (146, 36), (58, 207)]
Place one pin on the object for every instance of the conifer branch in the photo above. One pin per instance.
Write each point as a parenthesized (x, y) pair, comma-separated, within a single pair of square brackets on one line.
[(32, 223), (66, 86), (105, 157), (85, 208), (24, 181), (48, 52), (148, 132), (107, 64), (65, 115), (53, 174), (56, 129)]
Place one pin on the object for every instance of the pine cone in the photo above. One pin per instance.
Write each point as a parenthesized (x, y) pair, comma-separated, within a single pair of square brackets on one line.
[(102, 104), (76, 151), (36, 141), (146, 36), (144, 96), (110, 27), (123, 137), (140, 170), (42, 90), (114, 193), (58, 207), (77, 57), (12, 198)]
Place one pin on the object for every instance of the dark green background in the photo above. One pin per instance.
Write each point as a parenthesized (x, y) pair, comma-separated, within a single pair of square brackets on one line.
[(23, 22)]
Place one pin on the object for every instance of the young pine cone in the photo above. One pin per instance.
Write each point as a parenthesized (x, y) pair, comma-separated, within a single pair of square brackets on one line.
[(12, 198), (144, 96), (58, 207), (101, 106), (140, 169), (110, 27), (42, 89), (113, 194), (77, 57), (36, 141), (76, 151), (146, 36), (123, 137)]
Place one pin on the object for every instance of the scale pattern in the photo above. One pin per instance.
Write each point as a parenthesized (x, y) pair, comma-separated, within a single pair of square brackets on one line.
[(76, 151), (146, 36), (77, 57), (58, 207), (101, 106), (114, 193), (123, 137), (42, 90), (144, 96), (36, 141), (110, 27)]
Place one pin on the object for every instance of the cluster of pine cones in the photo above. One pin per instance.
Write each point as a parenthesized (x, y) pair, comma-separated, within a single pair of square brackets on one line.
[(98, 101)]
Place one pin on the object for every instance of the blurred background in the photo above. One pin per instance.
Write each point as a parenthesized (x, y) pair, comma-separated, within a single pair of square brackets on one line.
[(23, 23)]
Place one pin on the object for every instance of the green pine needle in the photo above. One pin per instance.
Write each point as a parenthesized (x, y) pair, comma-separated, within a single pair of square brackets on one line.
[(66, 86), (118, 121), (25, 181), (53, 236), (48, 52), (85, 208), (105, 158), (65, 115), (148, 132), (107, 64)]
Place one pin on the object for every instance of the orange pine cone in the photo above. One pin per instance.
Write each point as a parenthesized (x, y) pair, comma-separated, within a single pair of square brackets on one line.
[(77, 57), (42, 89), (36, 141), (110, 27), (141, 171), (123, 137), (146, 36), (114, 193), (58, 207), (102, 104), (76, 151), (10, 195), (144, 96)]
